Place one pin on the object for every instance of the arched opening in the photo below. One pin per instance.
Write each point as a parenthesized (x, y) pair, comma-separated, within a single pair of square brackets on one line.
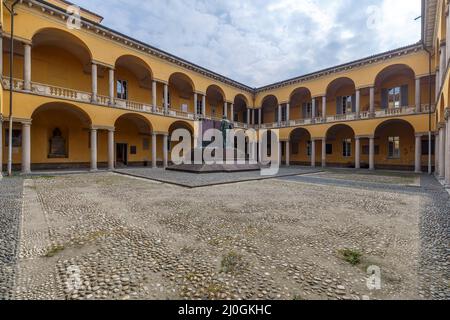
[(181, 93), (60, 137), (215, 100), (60, 59), (395, 87), (300, 147), (133, 141), (395, 145), (133, 80), (341, 96), (340, 148), (240, 113), (171, 144), (269, 110), (301, 104)]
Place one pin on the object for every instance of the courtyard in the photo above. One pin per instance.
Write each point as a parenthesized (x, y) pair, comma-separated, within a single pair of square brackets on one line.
[(305, 234)]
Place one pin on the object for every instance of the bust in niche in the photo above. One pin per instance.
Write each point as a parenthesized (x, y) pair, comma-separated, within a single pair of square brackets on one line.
[(57, 145)]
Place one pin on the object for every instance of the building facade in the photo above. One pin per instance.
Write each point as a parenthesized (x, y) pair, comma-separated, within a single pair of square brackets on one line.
[(87, 96)]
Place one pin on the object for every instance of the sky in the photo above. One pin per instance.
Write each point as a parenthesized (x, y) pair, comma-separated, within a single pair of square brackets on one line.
[(260, 42)]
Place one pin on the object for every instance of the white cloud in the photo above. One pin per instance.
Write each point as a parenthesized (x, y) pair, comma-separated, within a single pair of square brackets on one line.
[(258, 42)]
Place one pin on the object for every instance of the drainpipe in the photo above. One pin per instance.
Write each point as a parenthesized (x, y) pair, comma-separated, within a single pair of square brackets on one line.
[(11, 62)]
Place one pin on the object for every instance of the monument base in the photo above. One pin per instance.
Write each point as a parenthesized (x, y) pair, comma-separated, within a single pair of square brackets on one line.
[(215, 168)]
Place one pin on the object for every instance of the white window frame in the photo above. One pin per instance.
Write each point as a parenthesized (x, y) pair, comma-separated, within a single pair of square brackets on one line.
[(394, 146), (395, 98), (347, 148), (122, 89)]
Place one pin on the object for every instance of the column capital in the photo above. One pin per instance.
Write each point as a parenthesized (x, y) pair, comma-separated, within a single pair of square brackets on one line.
[(420, 134), (160, 133), (365, 137)]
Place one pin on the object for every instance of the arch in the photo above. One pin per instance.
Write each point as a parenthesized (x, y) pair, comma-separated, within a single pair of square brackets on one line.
[(394, 70), (182, 81), (240, 99), (138, 67), (215, 92), (332, 131), (63, 39), (181, 125), (394, 122), (298, 133), (71, 109), (339, 83), (269, 100), (299, 92), (140, 121)]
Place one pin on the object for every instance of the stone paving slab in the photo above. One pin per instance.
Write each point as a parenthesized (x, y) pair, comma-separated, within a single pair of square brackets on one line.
[(192, 180)]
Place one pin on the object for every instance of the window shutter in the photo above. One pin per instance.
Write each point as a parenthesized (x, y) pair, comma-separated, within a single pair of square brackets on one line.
[(384, 98), (339, 105), (354, 103), (404, 96)]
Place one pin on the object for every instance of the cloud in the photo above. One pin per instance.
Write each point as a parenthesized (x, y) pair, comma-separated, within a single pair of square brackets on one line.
[(259, 42)]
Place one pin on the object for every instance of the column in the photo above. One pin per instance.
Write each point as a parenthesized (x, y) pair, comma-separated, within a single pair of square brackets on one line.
[(418, 158), (111, 149), (447, 38), (166, 151), (372, 153), (253, 117), (166, 98), (436, 154), (438, 88), (324, 108), (195, 103), (260, 117), (357, 153), (154, 164), (232, 112), (1, 141), (248, 116), (204, 105), (279, 115), (154, 96), (26, 148), (225, 109), (93, 149), (417, 100), (358, 103), (94, 82), (27, 67), (288, 153), (324, 152), (372, 101), (447, 151), (442, 69), (442, 140), (313, 153), (313, 109), (288, 113), (1, 55), (111, 86)]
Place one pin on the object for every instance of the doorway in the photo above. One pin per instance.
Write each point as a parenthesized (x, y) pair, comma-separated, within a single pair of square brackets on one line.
[(121, 154)]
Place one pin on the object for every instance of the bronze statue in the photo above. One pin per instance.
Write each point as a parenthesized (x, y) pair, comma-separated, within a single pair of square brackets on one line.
[(224, 127)]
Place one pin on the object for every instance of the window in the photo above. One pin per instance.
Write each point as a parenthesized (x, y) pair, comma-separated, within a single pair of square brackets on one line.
[(394, 98), (133, 150), (347, 148), (122, 89), (329, 149), (16, 138), (308, 148), (394, 147), (347, 105), (283, 113), (168, 99), (199, 106), (308, 109)]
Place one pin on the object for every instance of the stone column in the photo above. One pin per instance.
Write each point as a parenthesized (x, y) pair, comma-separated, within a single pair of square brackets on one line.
[(442, 67), (93, 149), (111, 86), (438, 88), (418, 157), (442, 150), (253, 117), (204, 105), (260, 116), (154, 151), (1, 141), (166, 98), (324, 107), (357, 153), (313, 153), (288, 153), (94, 82), (288, 113), (279, 115), (26, 147), (418, 95), (27, 67), (447, 151), (166, 150), (195, 103), (372, 153), (225, 109), (232, 112), (248, 116), (154, 96), (1, 55), (324, 152), (436, 153), (372, 101), (358, 103), (313, 109), (111, 149)]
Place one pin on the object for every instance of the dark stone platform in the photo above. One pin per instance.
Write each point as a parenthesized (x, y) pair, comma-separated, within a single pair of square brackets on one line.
[(214, 168)]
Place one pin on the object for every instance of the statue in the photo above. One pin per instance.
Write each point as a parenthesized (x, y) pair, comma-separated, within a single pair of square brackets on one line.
[(225, 125)]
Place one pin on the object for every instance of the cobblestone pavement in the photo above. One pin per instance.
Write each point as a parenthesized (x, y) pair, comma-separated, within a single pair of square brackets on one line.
[(108, 236), (194, 180), (10, 212)]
